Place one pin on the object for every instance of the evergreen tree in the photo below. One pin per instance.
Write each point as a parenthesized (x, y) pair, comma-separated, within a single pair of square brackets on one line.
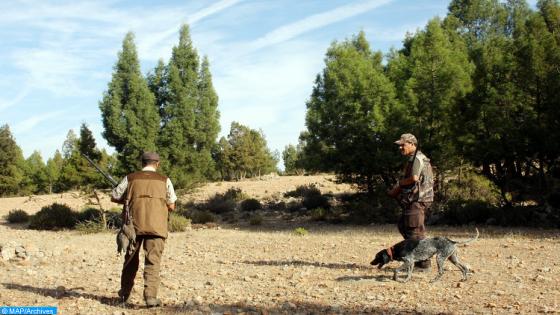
[(70, 177), (130, 119), (350, 113), (86, 144), (158, 86), (439, 79), (70, 144), (290, 156), (245, 154), (36, 178), (178, 138), (207, 120), (53, 169), (11, 163)]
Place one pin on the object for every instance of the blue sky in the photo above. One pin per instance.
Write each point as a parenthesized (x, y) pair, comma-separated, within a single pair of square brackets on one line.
[(57, 56)]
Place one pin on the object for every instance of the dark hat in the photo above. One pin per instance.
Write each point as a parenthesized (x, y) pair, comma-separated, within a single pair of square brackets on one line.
[(407, 137), (150, 156)]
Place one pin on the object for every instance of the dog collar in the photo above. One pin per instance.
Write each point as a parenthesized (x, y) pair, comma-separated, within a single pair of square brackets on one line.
[(390, 252)]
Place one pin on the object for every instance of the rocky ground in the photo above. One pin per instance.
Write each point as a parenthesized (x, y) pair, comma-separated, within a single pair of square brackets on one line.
[(270, 269)]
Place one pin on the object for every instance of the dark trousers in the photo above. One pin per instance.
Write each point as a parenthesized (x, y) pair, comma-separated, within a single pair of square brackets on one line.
[(411, 224), (153, 250)]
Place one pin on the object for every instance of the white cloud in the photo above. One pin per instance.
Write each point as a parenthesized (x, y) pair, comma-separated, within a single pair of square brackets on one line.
[(18, 98), (153, 45), (30, 123), (292, 30)]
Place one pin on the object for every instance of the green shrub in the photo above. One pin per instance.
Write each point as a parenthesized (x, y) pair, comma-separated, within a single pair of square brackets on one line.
[(256, 219), (89, 227), (218, 204), (114, 218), (303, 190), (201, 217), (300, 231), (459, 212), (89, 214), (55, 216), (473, 187), (293, 206), (17, 216), (250, 205), (318, 214), (235, 194), (226, 202), (178, 223), (312, 201), (366, 209)]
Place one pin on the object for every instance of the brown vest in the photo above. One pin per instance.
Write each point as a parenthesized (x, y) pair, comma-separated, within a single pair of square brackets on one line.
[(146, 194)]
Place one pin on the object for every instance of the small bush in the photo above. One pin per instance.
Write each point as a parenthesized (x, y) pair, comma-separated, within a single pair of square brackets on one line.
[(89, 214), (55, 216), (300, 231), (114, 218), (17, 216), (226, 202), (459, 212), (90, 227), (201, 217), (178, 223), (366, 209), (256, 219), (235, 194), (318, 214), (303, 190), (218, 204), (250, 205), (473, 187), (312, 201)]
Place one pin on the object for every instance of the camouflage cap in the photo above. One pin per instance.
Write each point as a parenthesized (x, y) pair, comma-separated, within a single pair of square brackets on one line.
[(150, 156), (407, 137)]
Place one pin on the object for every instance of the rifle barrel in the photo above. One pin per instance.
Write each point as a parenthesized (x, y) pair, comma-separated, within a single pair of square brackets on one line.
[(107, 176)]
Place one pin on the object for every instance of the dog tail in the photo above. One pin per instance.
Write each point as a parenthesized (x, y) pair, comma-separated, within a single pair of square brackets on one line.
[(469, 240)]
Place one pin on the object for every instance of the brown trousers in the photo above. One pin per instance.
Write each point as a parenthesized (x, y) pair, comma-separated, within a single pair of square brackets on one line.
[(153, 250), (411, 224)]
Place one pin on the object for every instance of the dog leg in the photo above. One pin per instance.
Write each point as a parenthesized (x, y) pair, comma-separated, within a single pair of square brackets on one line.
[(407, 265), (440, 260), (464, 269), (409, 271)]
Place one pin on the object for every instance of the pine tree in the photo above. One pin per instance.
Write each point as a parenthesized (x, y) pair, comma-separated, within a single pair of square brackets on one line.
[(130, 119), (245, 153), (440, 78), (207, 120), (36, 177), (349, 114), (70, 144), (290, 156), (86, 144), (11, 163), (178, 137), (157, 84), (53, 169)]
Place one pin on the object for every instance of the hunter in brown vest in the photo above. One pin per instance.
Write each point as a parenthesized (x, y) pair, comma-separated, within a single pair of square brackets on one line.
[(150, 196), (414, 191)]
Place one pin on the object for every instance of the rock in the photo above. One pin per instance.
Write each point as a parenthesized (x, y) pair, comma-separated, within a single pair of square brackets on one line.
[(8, 251), (544, 269), (288, 305)]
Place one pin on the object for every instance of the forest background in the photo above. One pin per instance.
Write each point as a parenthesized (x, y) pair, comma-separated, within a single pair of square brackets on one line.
[(480, 89)]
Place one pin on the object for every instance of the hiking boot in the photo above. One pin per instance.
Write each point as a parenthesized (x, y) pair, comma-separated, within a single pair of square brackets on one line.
[(153, 302), (123, 296), (424, 265)]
